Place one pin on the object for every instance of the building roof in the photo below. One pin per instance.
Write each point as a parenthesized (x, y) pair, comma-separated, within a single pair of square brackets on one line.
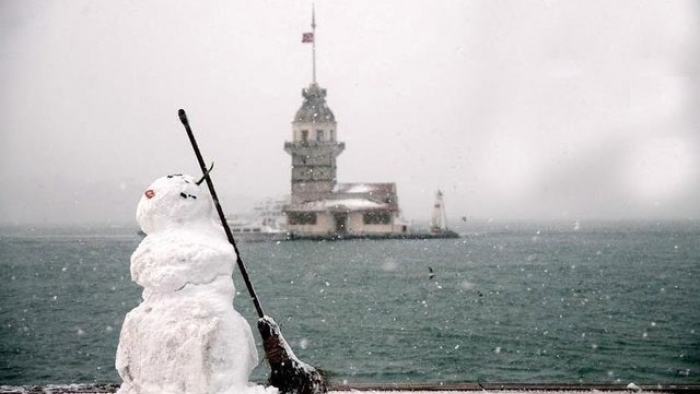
[(339, 205), (365, 188), (314, 108)]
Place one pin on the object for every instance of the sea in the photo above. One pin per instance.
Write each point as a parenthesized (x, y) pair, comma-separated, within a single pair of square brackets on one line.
[(598, 302)]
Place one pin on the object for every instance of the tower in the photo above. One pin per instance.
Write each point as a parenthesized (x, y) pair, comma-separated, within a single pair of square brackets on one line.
[(314, 146)]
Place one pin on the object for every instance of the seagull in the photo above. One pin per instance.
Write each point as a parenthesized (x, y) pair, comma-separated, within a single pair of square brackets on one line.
[(432, 275)]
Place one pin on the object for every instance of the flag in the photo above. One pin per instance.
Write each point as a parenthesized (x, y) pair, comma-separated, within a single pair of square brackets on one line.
[(307, 37)]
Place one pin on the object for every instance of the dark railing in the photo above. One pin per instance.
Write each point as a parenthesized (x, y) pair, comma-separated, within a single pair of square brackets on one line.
[(313, 144)]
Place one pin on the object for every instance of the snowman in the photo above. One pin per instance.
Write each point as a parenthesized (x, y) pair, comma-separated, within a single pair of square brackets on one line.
[(184, 337)]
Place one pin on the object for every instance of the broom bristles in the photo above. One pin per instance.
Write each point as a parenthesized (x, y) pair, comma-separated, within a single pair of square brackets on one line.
[(287, 372)]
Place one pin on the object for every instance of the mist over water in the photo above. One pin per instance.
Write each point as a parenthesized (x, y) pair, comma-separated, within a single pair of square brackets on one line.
[(570, 110)]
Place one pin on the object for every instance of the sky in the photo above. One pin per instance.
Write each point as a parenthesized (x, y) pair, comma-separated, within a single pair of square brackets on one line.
[(515, 109)]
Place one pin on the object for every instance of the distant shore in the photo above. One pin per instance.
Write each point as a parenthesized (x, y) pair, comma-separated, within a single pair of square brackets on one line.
[(338, 237)]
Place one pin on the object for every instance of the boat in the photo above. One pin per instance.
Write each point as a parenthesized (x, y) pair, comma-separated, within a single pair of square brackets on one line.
[(267, 222)]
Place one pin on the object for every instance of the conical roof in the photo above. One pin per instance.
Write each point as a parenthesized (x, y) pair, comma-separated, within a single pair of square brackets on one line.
[(314, 108)]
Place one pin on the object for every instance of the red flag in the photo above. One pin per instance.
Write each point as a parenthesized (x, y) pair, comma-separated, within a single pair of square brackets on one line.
[(307, 37)]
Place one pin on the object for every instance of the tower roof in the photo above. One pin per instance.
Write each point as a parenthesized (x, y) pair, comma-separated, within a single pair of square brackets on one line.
[(314, 108)]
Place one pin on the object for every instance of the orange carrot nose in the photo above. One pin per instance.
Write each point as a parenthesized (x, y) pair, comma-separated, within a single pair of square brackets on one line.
[(150, 193)]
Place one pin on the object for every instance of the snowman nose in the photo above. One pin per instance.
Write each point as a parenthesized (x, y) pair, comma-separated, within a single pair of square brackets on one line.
[(150, 193)]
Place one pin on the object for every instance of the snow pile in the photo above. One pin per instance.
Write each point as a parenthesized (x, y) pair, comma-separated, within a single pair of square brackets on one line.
[(78, 389), (185, 336)]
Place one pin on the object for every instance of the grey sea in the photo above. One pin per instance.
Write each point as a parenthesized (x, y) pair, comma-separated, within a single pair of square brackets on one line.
[(525, 302)]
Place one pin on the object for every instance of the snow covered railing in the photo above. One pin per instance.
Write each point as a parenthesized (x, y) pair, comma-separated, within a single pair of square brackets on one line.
[(412, 388)]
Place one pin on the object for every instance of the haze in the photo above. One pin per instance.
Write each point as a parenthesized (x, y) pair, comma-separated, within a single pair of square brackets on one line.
[(567, 110)]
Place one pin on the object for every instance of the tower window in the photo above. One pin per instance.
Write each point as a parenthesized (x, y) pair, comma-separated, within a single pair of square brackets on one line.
[(305, 135), (319, 135), (332, 135)]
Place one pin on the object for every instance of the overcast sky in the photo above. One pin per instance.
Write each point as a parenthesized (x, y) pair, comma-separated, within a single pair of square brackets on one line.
[(516, 109)]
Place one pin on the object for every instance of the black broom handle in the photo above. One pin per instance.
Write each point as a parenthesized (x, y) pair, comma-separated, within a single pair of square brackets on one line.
[(227, 229)]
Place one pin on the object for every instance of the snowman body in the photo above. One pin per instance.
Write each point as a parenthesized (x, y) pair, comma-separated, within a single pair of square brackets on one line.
[(185, 336)]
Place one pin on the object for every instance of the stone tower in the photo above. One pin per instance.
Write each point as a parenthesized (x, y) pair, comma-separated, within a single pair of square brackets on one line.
[(314, 147)]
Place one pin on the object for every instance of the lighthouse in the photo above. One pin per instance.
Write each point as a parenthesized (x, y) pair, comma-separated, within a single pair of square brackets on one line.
[(320, 206), (314, 147)]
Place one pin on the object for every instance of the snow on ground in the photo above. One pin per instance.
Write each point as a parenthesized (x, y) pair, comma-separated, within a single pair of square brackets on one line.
[(104, 389), (66, 390), (485, 392)]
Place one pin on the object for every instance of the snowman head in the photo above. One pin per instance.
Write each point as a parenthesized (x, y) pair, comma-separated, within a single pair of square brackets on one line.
[(172, 201)]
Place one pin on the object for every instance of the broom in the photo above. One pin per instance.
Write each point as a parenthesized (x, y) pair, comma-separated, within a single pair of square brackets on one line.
[(287, 372)]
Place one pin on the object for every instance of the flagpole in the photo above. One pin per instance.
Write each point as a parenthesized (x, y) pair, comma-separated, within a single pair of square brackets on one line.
[(313, 43)]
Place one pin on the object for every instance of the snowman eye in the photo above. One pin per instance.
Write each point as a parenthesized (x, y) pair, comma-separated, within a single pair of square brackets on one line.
[(185, 195), (173, 175)]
